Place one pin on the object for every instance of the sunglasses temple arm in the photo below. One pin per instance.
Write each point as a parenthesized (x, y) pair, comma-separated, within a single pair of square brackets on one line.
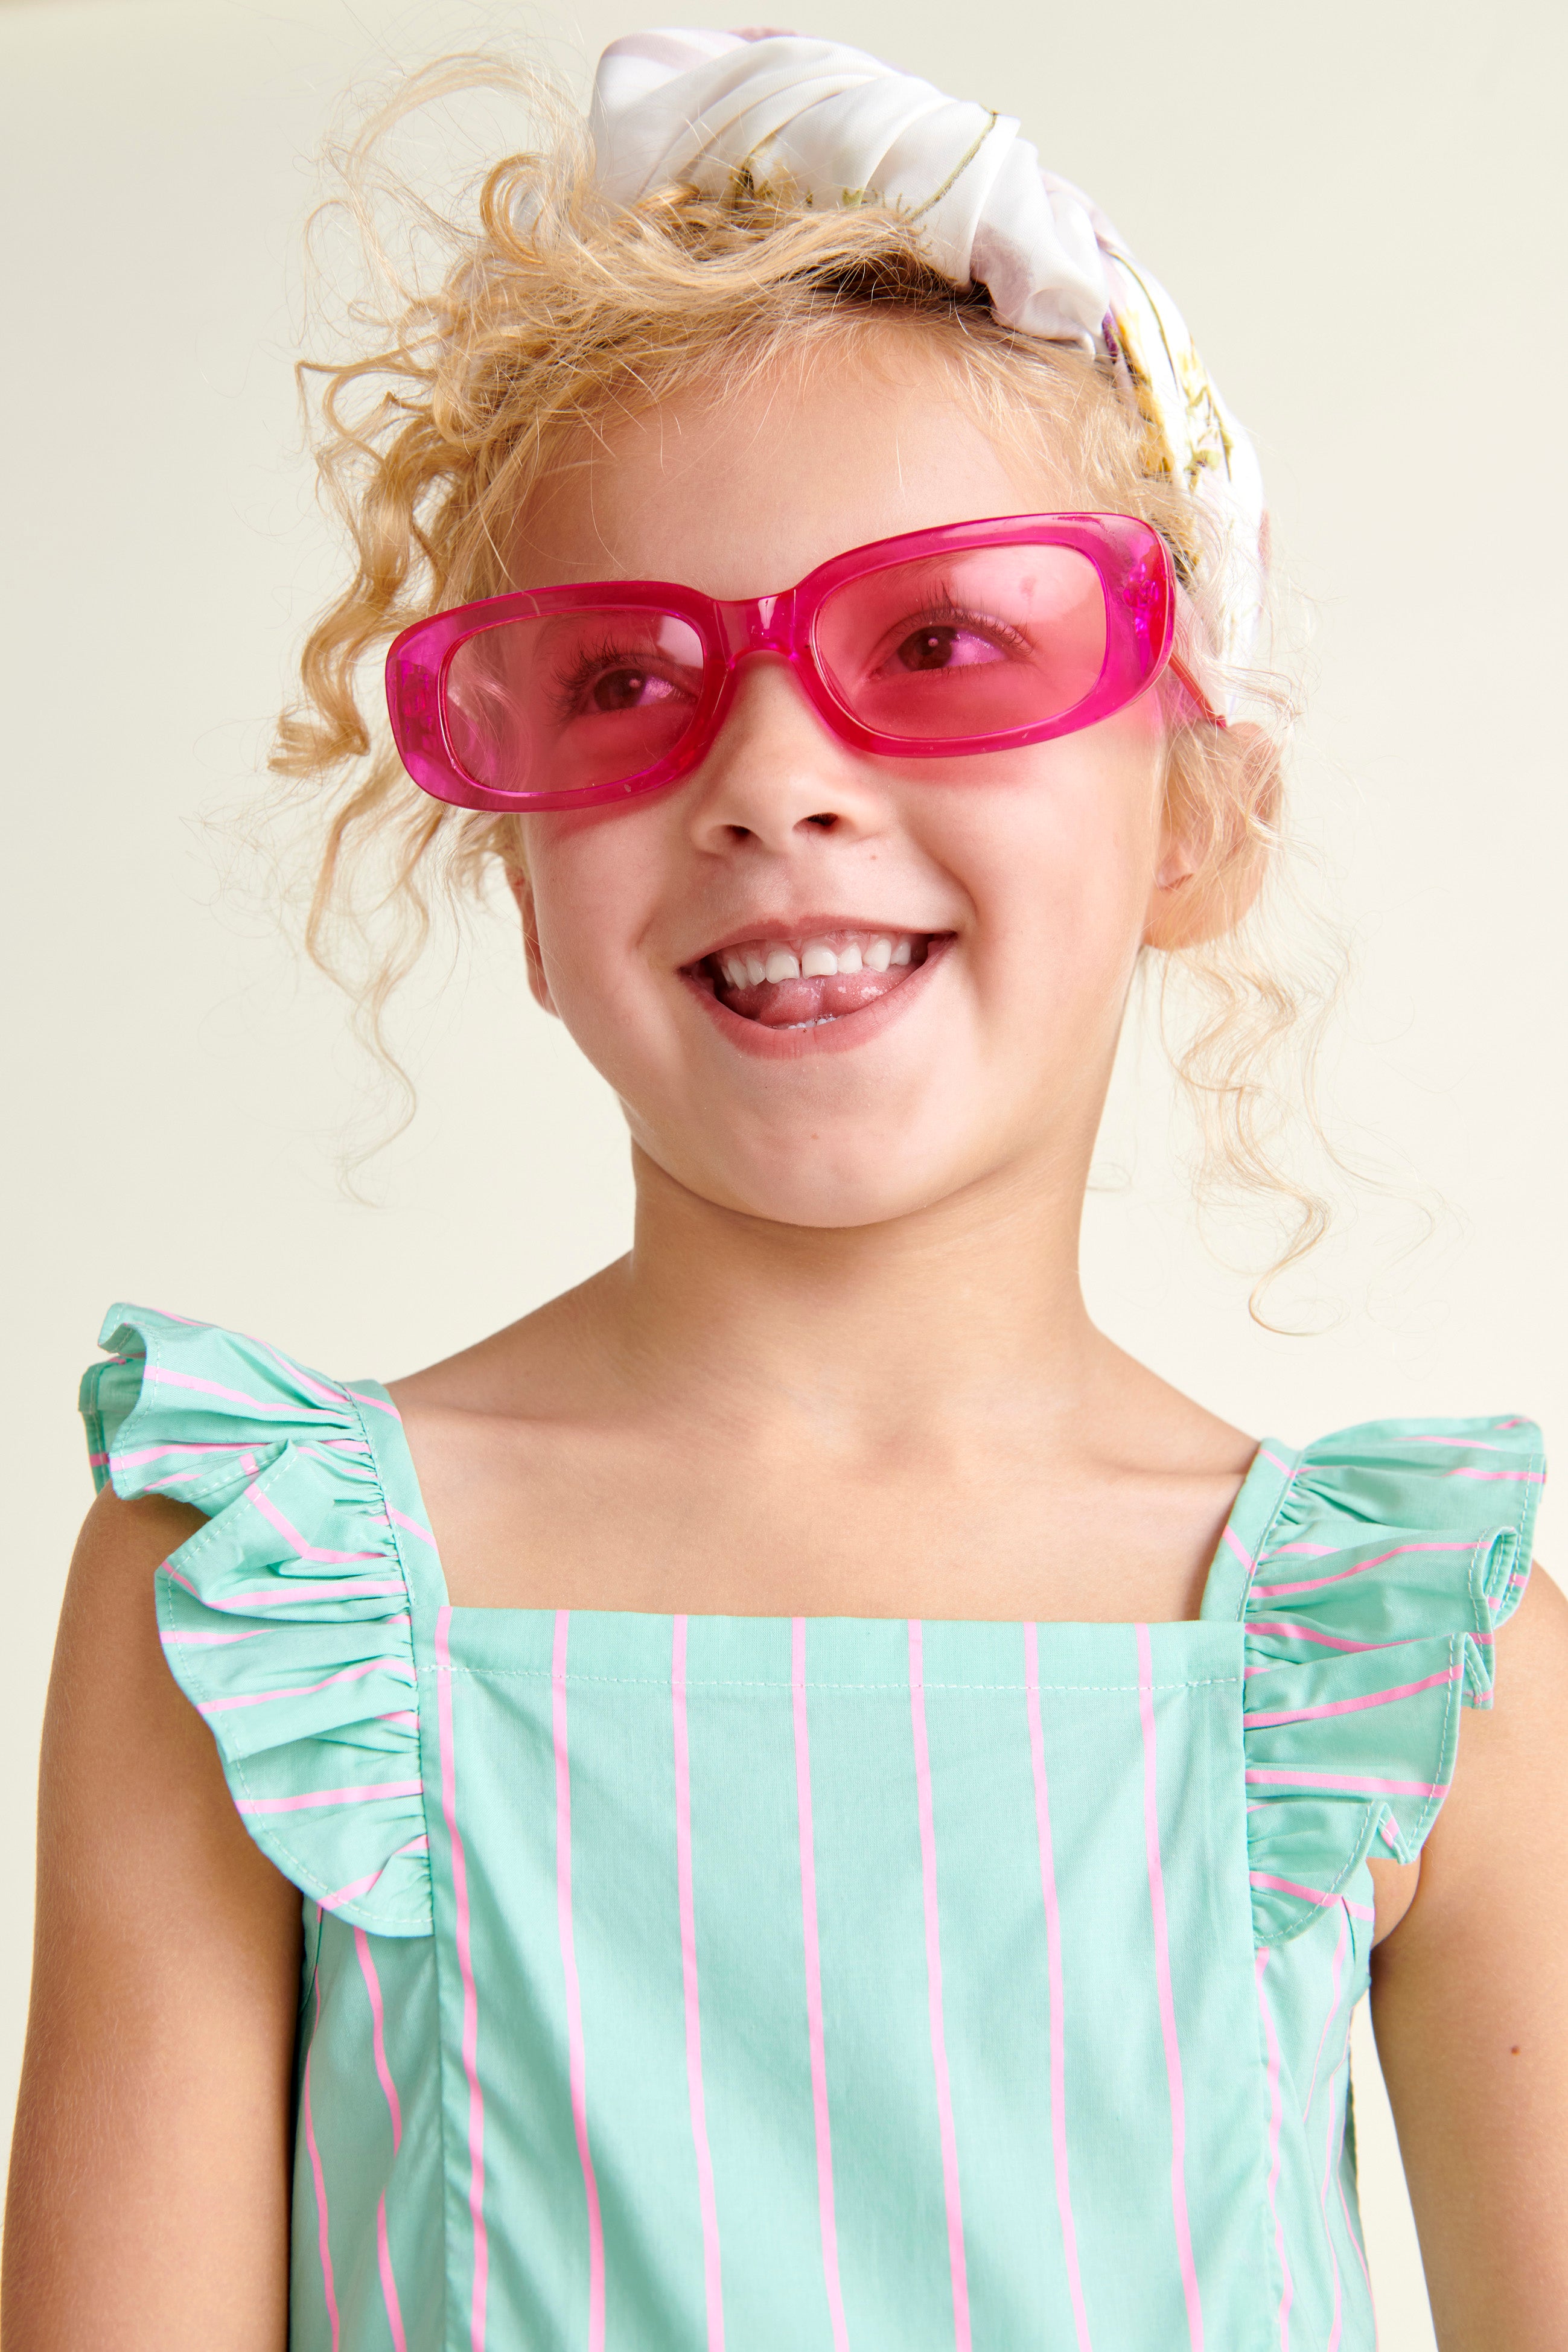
[(1195, 695)]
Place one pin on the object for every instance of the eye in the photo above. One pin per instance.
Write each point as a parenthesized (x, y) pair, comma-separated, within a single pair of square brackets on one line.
[(628, 690), (948, 645), (610, 680)]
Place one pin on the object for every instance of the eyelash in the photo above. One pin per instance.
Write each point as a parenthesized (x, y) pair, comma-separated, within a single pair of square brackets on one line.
[(946, 613), (594, 662)]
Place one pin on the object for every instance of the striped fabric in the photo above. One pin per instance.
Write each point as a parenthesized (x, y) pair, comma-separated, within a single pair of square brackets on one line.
[(838, 1982)]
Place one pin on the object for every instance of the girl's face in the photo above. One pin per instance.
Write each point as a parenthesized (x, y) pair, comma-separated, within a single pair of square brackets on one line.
[(992, 904)]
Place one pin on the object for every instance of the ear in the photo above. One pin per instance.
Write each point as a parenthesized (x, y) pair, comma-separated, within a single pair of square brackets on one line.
[(521, 889), (1222, 802)]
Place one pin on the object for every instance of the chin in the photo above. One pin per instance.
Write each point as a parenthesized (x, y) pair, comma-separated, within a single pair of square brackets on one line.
[(869, 1188)]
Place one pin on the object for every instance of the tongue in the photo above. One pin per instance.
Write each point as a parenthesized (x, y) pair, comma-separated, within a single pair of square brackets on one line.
[(791, 1004)]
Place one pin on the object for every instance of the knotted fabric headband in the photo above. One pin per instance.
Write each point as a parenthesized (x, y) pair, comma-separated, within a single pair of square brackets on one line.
[(839, 128)]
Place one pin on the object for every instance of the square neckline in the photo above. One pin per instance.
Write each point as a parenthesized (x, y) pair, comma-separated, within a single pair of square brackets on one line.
[(1264, 1485)]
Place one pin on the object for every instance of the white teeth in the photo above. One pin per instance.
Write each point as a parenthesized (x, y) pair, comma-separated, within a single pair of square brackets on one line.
[(771, 961)]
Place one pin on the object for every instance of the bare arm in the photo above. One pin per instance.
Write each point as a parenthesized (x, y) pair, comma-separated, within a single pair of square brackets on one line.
[(1470, 2002), (148, 2205)]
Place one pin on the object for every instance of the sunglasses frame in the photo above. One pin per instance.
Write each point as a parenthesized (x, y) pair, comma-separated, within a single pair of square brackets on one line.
[(1130, 558)]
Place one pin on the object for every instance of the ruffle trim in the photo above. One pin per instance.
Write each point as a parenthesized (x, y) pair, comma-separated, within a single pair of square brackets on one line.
[(286, 1619), (1395, 1552)]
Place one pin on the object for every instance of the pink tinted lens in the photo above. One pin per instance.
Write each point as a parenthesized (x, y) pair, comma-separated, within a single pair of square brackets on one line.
[(975, 642), (568, 702)]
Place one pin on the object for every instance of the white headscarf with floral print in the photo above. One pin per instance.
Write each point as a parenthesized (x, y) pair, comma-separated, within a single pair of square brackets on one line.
[(841, 128)]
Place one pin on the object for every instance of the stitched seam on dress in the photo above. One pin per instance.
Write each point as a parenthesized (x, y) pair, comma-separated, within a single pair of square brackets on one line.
[(354, 1406), (1483, 1615), (311, 1967), (695, 1682)]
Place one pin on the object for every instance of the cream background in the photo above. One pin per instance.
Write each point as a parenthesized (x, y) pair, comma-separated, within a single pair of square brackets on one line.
[(1357, 209)]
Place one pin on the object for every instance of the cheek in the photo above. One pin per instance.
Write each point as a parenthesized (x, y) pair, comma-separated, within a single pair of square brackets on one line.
[(1061, 865), (597, 883)]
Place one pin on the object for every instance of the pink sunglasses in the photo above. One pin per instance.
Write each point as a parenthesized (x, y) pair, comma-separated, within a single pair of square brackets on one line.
[(976, 637)]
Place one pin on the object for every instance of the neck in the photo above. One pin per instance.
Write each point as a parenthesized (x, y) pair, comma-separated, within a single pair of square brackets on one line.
[(969, 1310)]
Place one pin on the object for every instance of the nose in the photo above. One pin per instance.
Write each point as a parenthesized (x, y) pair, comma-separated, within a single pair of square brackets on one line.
[(777, 776)]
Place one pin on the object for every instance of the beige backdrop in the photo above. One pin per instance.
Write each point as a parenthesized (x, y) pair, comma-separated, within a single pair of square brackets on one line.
[(1358, 208)]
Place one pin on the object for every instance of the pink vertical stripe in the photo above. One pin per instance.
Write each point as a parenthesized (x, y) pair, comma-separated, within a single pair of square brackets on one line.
[(378, 2035), (471, 1995), (1332, 2139), (956, 2261), (1276, 2117), (394, 2109), (708, 2205), (388, 2282), (576, 2058), (1167, 1995), (824, 2205), (1054, 1973), (328, 2286)]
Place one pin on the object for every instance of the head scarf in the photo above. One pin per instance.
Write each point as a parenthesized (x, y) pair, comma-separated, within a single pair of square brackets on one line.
[(841, 128)]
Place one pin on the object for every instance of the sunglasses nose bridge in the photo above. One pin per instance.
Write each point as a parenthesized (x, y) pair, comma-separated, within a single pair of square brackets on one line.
[(755, 624)]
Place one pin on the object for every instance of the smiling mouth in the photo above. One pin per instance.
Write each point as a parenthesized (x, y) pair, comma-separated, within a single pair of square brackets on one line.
[(801, 980)]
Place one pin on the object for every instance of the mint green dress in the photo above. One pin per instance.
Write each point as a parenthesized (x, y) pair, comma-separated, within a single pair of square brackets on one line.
[(677, 1982)]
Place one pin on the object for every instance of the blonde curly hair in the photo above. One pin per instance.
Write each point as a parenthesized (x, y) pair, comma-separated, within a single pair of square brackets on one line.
[(553, 311)]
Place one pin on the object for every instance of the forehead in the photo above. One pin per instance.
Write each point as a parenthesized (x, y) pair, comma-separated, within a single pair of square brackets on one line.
[(742, 489)]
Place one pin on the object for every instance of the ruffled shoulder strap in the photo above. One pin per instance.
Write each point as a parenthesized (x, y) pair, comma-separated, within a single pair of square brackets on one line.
[(1372, 1572), (286, 1619)]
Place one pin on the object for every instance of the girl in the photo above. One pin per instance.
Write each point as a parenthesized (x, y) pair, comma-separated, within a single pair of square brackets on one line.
[(818, 1802)]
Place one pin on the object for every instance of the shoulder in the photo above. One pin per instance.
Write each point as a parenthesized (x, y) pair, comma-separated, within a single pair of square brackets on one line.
[(123, 1539), (1490, 1904), (1515, 1755)]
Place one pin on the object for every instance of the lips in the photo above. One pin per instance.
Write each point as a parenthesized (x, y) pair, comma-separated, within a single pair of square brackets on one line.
[(803, 980)]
